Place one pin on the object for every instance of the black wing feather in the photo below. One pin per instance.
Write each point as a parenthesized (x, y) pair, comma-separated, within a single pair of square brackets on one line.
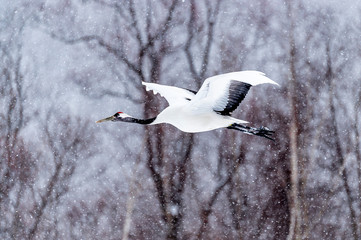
[(237, 92), (194, 92)]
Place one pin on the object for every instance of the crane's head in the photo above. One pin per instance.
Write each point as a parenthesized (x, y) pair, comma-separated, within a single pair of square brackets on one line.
[(119, 116)]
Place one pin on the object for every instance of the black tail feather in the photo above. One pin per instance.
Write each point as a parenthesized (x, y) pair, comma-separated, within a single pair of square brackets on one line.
[(262, 131)]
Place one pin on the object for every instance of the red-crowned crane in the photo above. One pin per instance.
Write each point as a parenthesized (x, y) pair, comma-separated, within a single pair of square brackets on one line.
[(208, 109)]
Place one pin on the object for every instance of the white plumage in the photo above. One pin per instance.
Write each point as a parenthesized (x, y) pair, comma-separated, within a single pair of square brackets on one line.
[(209, 108)]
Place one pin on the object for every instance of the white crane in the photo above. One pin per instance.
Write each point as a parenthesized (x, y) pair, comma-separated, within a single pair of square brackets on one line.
[(208, 109)]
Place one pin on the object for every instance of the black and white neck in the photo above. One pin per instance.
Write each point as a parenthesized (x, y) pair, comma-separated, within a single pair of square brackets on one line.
[(123, 117)]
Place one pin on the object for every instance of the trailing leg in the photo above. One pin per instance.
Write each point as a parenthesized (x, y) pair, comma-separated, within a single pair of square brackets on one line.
[(262, 131)]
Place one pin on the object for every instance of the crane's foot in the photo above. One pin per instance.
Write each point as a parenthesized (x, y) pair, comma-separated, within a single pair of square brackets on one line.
[(262, 131)]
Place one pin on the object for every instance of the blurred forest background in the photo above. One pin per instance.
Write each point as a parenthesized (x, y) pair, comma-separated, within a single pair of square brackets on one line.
[(66, 63)]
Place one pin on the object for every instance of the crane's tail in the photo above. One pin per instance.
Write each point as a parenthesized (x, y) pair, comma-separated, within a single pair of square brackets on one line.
[(262, 131)]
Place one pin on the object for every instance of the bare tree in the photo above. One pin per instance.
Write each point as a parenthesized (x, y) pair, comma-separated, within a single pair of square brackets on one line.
[(295, 210), (168, 171), (339, 156), (193, 28), (68, 140), (172, 185), (16, 160)]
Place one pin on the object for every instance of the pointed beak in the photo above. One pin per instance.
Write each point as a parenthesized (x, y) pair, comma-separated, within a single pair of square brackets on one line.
[(106, 119)]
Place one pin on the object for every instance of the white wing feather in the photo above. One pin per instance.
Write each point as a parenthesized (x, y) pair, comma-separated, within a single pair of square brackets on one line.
[(214, 92), (173, 95), (251, 77)]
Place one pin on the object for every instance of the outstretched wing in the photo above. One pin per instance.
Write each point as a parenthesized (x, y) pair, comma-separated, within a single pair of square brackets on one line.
[(173, 95), (223, 93)]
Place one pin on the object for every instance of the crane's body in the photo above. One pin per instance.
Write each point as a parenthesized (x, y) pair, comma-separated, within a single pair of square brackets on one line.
[(193, 121), (209, 108)]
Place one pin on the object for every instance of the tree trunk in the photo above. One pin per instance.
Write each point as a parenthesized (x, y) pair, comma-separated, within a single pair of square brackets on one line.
[(295, 212), (340, 159)]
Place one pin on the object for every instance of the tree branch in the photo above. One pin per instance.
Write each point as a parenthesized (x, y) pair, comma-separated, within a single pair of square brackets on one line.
[(100, 41), (211, 20)]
